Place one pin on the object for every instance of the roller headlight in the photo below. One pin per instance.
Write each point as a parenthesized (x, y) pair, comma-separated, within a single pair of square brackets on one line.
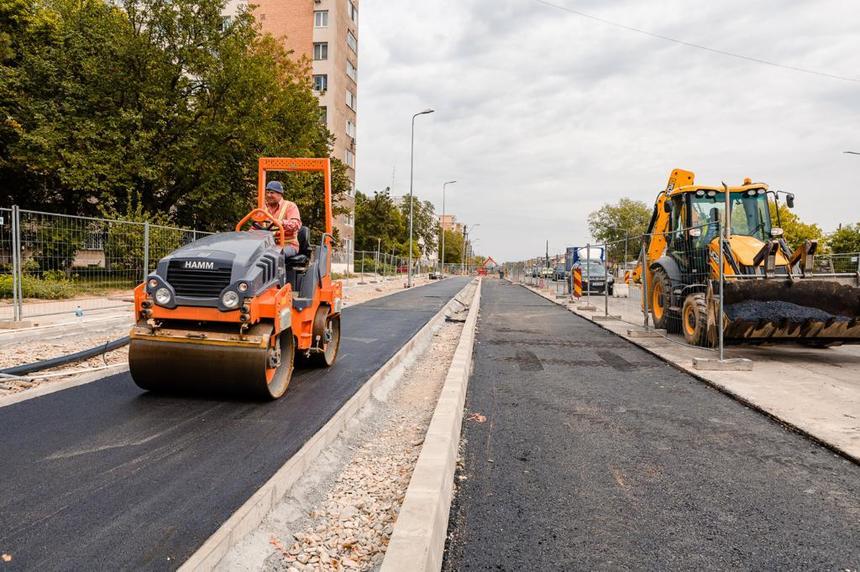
[(230, 299), (162, 296), (243, 286)]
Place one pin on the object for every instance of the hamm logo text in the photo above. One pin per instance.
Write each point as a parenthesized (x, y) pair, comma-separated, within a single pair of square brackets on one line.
[(199, 265)]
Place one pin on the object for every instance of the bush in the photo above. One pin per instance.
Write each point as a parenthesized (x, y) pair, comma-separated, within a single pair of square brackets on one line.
[(33, 287)]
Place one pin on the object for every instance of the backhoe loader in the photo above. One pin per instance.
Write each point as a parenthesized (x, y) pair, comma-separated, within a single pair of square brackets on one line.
[(771, 293)]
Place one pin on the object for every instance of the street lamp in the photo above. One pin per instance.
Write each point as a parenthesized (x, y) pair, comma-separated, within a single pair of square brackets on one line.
[(411, 168), (442, 227), (464, 267), (852, 152)]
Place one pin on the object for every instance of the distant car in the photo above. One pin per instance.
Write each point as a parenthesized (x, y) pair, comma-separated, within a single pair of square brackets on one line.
[(401, 269), (595, 271), (558, 272), (546, 272), (435, 275)]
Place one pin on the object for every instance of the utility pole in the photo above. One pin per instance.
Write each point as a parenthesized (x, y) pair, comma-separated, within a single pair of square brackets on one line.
[(463, 258), (411, 202)]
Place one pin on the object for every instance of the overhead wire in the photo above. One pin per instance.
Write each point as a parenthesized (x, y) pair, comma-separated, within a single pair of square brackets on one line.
[(696, 46)]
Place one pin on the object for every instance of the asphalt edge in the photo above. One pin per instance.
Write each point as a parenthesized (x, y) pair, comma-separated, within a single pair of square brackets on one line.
[(418, 539), (787, 425), (53, 387), (252, 512)]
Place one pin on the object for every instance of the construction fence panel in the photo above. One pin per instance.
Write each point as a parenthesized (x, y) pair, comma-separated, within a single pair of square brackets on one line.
[(72, 264), (8, 297), (680, 293)]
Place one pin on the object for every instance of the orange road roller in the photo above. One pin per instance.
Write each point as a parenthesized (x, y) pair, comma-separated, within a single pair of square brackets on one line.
[(229, 313)]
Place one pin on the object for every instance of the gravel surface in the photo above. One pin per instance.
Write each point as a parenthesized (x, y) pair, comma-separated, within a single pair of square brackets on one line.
[(341, 514), (776, 311)]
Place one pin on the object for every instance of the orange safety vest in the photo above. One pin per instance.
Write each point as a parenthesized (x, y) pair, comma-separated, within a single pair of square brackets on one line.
[(289, 238)]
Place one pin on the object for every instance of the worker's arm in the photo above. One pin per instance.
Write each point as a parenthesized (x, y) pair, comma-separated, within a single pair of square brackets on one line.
[(292, 220)]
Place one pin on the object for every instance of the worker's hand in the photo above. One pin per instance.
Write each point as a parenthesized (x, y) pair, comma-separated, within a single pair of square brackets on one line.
[(292, 226)]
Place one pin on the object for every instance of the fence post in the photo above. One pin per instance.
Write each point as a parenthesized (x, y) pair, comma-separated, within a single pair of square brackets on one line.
[(644, 277), (588, 274), (145, 250), (16, 266), (605, 279), (722, 281)]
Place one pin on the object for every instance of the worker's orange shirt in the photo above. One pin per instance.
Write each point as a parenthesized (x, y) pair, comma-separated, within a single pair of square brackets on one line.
[(284, 212)]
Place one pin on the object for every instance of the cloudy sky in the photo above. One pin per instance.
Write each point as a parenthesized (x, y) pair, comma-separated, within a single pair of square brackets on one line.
[(542, 115)]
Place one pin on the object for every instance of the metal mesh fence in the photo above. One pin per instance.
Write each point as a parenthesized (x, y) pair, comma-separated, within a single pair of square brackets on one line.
[(72, 264), (7, 281)]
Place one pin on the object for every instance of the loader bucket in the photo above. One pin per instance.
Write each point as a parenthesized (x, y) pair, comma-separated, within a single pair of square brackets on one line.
[(813, 311)]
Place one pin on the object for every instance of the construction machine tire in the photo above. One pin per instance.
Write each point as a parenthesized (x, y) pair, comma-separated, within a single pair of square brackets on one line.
[(694, 319), (330, 332), (661, 302), (211, 370)]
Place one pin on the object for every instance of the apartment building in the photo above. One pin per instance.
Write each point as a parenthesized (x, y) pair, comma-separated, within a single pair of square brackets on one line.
[(449, 222), (326, 31)]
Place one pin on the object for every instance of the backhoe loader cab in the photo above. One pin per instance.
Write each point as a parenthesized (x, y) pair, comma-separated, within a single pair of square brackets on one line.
[(230, 313), (770, 291)]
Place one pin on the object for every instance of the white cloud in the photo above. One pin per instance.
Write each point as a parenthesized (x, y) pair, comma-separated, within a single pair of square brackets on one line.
[(542, 116)]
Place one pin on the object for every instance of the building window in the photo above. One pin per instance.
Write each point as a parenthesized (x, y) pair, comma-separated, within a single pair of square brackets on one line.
[(351, 71), (350, 128), (320, 18), (351, 41), (226, 21), (324, 115), (321, 82), (353, 12), (350, 99), (349, 159), (320, 51)]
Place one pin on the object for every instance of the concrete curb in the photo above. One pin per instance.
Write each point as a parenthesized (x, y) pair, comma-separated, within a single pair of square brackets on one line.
[(418, 540), (248, 516), (720, 388)]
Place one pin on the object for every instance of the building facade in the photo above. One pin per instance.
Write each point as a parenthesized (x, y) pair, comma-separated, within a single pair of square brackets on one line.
[(326, 32)]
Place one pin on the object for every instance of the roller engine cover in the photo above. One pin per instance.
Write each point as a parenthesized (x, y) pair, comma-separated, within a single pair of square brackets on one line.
[(200, 273)]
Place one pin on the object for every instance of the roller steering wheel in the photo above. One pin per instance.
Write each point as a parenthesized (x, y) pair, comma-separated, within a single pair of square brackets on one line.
[(262, 220)]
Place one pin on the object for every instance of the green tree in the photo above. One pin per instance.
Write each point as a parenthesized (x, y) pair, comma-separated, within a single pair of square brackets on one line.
[(378, 217), (846, 239), (101, 99), (795, 231), (614, 222), (453, 247), (425, 225)]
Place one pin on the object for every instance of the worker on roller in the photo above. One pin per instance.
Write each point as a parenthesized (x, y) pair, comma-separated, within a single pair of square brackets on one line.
[(285, 212)]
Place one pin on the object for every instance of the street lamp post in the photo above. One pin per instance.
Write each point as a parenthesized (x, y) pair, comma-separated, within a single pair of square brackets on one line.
[(411, 206), (442, 227)]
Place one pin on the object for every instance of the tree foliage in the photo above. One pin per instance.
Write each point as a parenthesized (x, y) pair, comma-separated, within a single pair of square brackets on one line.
[(379, 217), (796, 231), (161, 101), (846, 239), (614, 222)]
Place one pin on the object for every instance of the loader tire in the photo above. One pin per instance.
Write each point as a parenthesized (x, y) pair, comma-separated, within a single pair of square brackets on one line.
[(694, 320), (661, 302)]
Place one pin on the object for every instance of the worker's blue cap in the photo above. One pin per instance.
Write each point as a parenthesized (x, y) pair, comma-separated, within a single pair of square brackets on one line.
[(276, 187)]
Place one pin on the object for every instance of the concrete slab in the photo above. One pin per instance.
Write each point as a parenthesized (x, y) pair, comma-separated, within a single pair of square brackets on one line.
[(603, 318), (714, 364), (631, 333)]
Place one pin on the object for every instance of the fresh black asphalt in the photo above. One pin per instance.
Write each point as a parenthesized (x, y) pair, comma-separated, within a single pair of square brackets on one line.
[(107, 477), (584, 452)]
